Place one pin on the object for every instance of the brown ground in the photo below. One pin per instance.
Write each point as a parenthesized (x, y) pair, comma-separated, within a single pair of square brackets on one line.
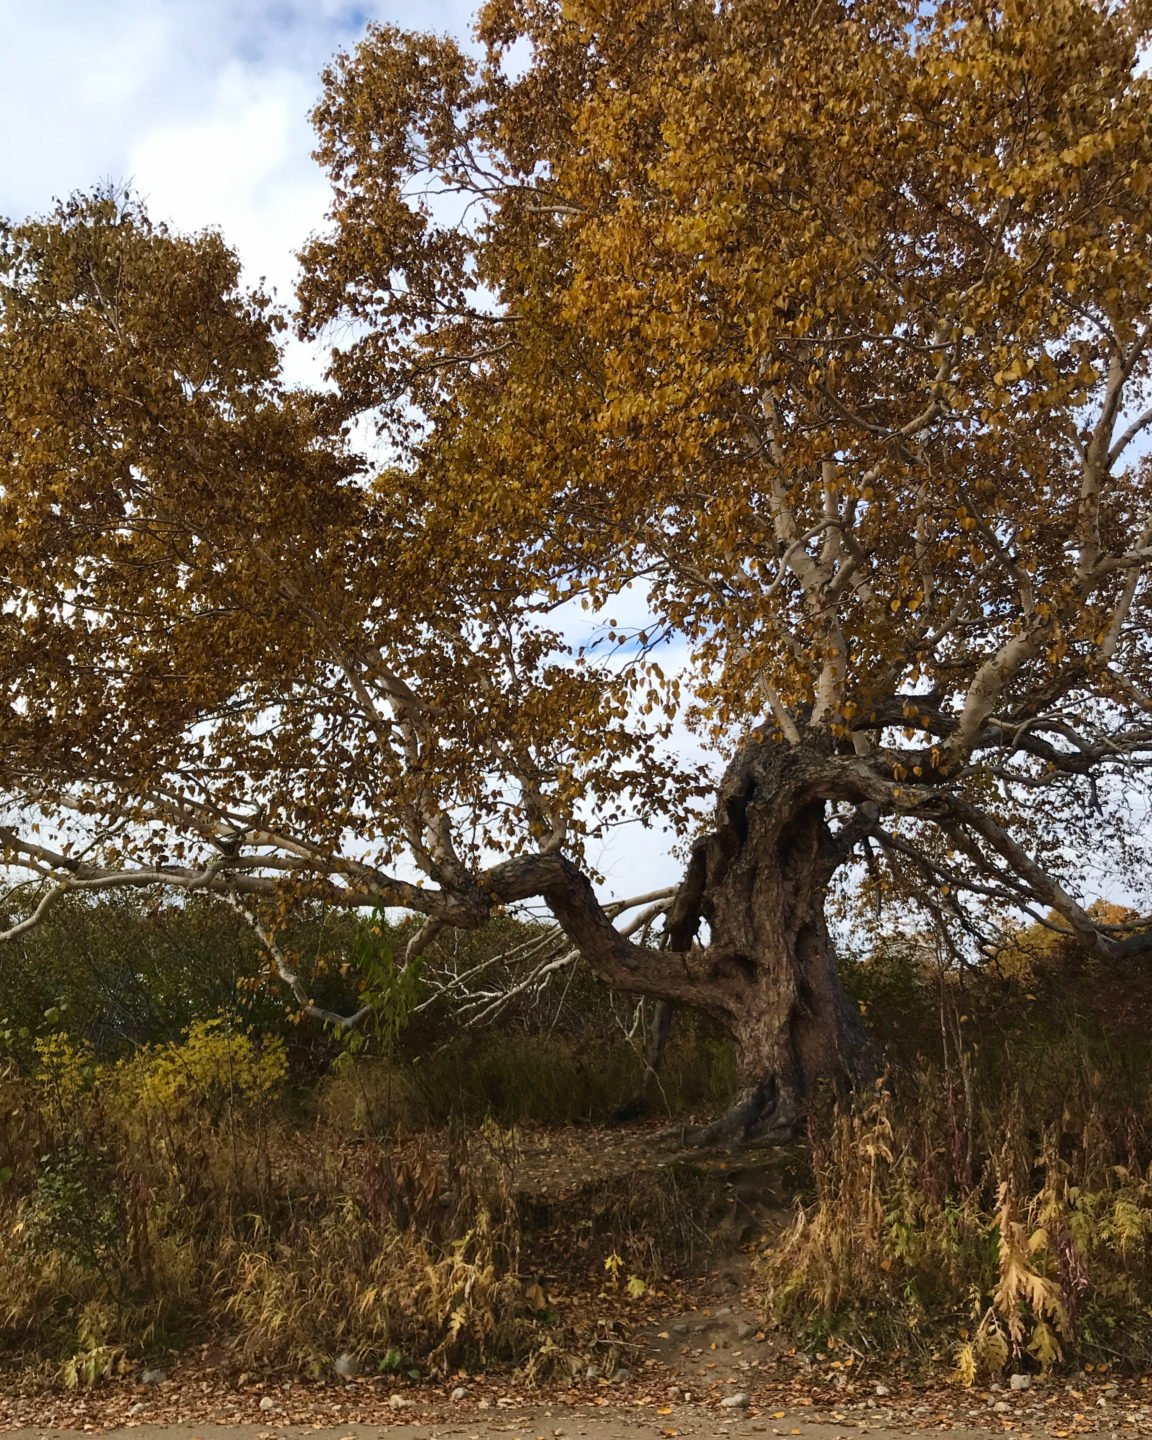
[(574, 1424), (677, 1388), (660, 1365)]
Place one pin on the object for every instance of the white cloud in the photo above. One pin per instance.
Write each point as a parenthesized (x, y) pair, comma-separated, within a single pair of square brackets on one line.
[(202, 105), (237, 166)]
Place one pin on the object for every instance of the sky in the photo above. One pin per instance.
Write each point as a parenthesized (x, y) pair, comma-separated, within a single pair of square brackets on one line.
[(202, 107), (201, 104)]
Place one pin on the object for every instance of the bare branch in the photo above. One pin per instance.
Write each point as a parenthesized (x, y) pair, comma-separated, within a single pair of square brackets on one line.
[(291, 978)]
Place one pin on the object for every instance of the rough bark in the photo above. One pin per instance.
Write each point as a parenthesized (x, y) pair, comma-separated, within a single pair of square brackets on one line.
[(760, 882)]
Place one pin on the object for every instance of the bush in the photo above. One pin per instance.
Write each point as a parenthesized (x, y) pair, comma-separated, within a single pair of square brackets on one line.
[(991, 1201), (217, 1067), (167, 1197)]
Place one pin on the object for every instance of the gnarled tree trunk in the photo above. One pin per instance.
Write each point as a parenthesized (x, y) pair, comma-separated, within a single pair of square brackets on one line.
[(760, 882), (767, 973)]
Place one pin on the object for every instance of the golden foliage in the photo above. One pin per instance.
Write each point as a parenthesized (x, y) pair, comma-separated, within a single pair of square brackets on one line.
[(217, 1066), (824, 326), (787, 298)]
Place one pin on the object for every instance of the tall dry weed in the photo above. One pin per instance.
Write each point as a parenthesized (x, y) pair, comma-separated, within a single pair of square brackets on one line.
[(172, 1197), (991, 1233)]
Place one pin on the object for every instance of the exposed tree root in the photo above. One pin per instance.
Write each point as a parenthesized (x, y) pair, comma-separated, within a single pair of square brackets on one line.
[(767, 1116)]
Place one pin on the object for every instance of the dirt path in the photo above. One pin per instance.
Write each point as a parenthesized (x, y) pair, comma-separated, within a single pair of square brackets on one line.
[(541, 1425), (1055, 1415)]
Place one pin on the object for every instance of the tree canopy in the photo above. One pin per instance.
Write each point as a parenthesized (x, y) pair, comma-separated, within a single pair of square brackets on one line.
[(823, 329)]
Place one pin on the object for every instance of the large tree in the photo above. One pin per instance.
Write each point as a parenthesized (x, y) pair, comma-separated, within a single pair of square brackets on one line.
[(822, 330)]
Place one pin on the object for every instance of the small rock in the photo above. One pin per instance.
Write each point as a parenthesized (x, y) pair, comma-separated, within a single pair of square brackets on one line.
[(153, 1377), (138, 1408), (623, 1373), (592, 1373), (723, 1312), (883, 1390), (687, 1397), (1002, 1407), (1020, 1382), (744, 1331), (347, 1366), (458, 1394), (680, 1329), (400, 1402), (267, 1402), (739, 1401)]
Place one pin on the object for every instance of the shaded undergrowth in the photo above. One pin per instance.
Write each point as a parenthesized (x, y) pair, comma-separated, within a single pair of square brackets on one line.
[(189, 1193), (238, 1179), (989, 1205)]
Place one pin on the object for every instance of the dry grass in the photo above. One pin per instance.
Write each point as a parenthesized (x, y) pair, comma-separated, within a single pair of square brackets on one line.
[(141, 1211), (991, 1203)]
